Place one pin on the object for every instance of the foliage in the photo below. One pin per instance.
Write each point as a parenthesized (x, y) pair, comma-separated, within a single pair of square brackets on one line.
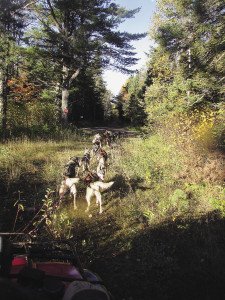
[(185, 64), (32, 119), (131, 100), (46, 44), (219, 203), (89, 100), (12, 23), (80, 31), (177, 171), (21, 90), (58, 222), (77, 37)]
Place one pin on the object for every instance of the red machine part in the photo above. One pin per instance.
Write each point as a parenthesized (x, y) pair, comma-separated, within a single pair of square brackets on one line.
[(59, 269), (18, 263)]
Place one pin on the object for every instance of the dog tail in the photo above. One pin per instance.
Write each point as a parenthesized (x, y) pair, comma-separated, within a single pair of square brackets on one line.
[(101, 186)]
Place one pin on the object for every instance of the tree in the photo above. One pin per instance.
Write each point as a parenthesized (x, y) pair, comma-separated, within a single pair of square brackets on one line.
[(84, 34), (192, 33), (86, 98), (131, 103), (11, 30)]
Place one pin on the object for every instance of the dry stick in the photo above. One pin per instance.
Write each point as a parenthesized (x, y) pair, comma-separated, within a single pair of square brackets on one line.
[(17, 213), (31, 220), (48, 230)]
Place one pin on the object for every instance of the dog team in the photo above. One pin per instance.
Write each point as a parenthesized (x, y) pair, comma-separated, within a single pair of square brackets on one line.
[(94, 180)]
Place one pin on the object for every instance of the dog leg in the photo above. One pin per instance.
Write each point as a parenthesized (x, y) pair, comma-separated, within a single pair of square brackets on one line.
[(62, 190), (74, 201), (89, 195), (78, 169), (99, 200), (73, 191)]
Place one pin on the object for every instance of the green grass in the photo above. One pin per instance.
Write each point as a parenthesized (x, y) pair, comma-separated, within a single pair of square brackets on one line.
[(161, 232), (42, 159)]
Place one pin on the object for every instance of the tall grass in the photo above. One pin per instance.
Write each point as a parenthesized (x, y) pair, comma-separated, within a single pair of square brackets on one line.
[(168, 187), (176, 172), (161, 177), (28, 168)]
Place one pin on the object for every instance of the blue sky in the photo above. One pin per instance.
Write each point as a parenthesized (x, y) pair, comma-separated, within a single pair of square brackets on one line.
[(139, 24)]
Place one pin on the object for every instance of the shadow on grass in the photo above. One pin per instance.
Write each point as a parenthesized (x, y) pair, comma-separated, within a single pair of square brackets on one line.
[(178, 260), (123, 186)]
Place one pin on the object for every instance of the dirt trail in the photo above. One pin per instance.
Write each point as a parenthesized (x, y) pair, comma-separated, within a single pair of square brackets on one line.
[(124, 131)]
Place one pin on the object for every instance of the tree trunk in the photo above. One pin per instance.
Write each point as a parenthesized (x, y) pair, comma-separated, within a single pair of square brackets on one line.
[(4, 112), (3, 104), (189, 71), (67, 81), (1, 92), (65, 96), (58, 101)]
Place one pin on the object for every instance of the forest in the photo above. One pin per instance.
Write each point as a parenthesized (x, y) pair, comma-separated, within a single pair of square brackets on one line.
[(161, 233)]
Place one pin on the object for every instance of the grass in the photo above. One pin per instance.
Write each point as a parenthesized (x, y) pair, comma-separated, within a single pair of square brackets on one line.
[(41, 159), (161, 235)]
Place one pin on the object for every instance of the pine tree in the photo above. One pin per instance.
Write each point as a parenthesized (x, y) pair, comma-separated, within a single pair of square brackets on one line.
[(131, 103), (80, 32), (11, 30), (191, 32)]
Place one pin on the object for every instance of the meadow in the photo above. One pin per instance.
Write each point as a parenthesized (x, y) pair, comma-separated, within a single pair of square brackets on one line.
[(161, 234)]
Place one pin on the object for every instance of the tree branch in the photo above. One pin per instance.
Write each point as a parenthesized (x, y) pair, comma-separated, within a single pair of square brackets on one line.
[(53, 15), (28, 3), (75, 74)]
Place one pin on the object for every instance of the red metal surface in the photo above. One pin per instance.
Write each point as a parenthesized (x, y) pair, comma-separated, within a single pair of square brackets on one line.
[(18, 263), (59, 269)]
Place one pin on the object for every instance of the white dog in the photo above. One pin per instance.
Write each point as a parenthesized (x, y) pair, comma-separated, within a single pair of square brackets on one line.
[(97, 140), (101, 168), (102, 164), (95, 189), (85, 160), (69, 184)]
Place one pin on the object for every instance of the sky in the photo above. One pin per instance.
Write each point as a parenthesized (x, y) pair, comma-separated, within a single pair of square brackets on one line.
[(139, 24)]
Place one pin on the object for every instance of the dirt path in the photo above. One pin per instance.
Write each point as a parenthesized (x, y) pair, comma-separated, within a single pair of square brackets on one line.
[(124, 131)]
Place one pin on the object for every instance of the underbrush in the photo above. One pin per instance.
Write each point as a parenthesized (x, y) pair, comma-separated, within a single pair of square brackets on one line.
[(177, 172)]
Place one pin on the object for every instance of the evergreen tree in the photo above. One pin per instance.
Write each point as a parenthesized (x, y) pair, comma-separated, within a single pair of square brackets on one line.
[(80, 32), (131, 103), (192, 33), (12, 18), (86, 105)]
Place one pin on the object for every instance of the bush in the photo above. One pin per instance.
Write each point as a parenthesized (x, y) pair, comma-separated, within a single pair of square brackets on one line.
[(174, 172)]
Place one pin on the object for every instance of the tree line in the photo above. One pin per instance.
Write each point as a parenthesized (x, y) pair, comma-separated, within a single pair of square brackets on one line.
[(185, 69), (52, 54)]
